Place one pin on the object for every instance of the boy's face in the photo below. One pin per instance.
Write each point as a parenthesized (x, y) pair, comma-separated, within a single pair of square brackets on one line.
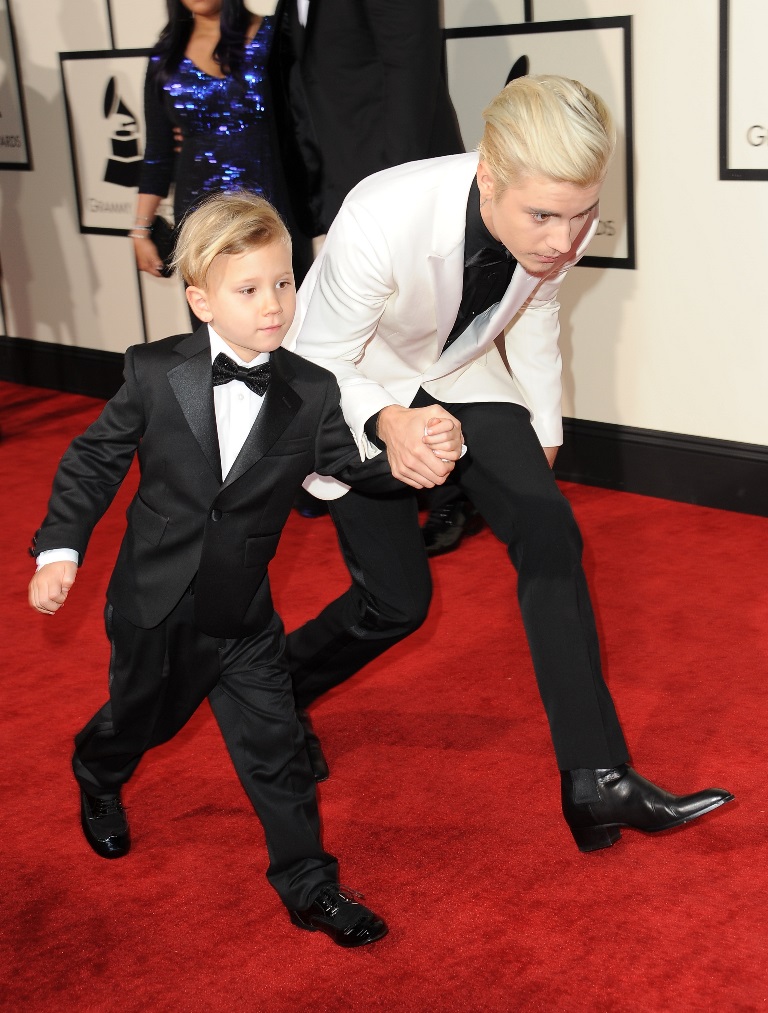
[(539, 220), (249, 299)]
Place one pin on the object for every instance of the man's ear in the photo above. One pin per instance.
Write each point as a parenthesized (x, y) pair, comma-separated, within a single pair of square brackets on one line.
[(198, 302), (485, 181)]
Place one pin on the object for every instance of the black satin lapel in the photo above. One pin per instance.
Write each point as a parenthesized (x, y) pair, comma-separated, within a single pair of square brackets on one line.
[(281, 403), (191, 383)]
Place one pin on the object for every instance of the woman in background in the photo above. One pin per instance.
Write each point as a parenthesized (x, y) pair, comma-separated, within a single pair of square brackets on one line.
[(206, 84)]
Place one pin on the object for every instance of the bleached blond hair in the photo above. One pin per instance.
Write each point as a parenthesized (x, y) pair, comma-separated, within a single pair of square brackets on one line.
[(548, 127)]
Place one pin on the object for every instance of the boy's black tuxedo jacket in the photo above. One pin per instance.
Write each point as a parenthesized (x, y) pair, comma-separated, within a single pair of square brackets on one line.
[(184, 520)]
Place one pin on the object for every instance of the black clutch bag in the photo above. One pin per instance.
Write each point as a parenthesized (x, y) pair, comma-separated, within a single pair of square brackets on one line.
[(164, 238)]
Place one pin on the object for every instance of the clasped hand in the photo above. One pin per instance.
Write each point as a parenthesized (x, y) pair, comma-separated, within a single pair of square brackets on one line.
[(423, 444)]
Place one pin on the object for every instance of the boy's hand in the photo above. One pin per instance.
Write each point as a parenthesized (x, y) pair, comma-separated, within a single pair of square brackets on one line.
[(411, 459), (50, 586), (444, 438)]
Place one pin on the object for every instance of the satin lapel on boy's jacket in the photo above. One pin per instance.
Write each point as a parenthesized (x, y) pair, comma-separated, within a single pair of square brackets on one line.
[(188, 380)]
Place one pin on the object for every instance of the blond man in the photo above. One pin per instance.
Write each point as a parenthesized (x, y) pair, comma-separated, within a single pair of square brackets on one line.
[(424, 267)]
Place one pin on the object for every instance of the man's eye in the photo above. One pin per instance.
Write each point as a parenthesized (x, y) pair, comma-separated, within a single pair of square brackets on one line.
[(540, 216)]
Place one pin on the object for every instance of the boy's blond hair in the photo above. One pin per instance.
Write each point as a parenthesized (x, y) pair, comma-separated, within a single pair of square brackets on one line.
[(227, 223), (550, 127)]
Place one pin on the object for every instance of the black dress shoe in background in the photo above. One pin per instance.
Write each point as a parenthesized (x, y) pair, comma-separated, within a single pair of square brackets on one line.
[(596, 803), (105, 825), (343, 919), (308, 505), (317, 761), (445, 527)]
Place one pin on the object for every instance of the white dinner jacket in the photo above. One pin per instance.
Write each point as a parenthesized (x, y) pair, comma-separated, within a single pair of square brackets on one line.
[(382, 296)]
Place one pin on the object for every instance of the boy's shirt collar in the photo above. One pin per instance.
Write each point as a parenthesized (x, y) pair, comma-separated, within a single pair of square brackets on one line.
[(218, 344)]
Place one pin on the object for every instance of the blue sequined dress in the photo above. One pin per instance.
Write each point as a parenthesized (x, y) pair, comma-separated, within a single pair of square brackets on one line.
[(227, 128)]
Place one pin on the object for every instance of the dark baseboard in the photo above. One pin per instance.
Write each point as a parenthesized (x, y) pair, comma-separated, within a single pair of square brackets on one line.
[(60, 367), (688, 469)]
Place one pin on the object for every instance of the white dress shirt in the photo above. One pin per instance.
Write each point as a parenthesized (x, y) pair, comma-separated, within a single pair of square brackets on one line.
[(236, 407)]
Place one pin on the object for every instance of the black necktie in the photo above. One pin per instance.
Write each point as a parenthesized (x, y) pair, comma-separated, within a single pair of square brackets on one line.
[(488, 258), (486, 278), (254, 377)]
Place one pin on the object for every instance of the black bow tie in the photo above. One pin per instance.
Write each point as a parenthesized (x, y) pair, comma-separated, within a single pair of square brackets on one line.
[(254, 377)]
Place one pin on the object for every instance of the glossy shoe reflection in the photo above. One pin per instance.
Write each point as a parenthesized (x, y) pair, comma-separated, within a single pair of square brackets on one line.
[(597, 803), (334, 912), (105, 825), (446, 526)]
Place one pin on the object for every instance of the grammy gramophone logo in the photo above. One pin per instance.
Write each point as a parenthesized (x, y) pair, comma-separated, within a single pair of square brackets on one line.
[(520, 68), (124, 163)]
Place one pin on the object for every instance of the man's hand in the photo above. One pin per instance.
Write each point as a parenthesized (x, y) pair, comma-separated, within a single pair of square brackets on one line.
[(50, 586), (422, 443), (551, 453)]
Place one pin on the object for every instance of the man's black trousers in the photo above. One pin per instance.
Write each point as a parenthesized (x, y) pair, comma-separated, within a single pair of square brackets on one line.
[(506, 475)]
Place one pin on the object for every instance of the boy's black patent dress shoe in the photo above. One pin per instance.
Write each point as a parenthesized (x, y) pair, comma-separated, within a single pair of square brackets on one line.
[(105, 825), (343, 919), (596, 803)]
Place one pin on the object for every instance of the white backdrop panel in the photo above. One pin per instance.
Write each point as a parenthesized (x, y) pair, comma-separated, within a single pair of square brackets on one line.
[(747, 85), (136, 24)]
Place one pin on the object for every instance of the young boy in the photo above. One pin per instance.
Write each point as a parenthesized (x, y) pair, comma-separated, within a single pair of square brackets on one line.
[(226, 425)]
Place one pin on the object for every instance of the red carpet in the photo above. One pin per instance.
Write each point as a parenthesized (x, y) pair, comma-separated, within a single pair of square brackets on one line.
[(443, 804)]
